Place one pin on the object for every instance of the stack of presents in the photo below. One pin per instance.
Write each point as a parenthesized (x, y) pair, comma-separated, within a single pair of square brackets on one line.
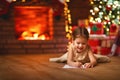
[(102, 42)]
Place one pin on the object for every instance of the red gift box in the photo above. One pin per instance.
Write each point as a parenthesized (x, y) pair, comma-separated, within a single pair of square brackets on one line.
[(96, 28), (94, 43), (105, 51)]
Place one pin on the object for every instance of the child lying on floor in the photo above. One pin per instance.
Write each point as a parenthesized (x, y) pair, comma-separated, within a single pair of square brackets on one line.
[(79, 52)]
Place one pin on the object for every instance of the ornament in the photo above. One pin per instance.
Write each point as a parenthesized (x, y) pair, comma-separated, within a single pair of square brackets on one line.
[(108, 7), (113, 28)]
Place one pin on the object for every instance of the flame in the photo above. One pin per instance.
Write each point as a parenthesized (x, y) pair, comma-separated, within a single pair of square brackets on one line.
[(36, 24), (26, 35)]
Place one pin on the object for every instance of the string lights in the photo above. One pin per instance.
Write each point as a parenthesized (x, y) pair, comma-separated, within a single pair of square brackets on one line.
[(68, 22)]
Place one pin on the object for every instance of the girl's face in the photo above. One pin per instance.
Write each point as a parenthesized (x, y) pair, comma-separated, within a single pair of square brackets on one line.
[(80, 44)]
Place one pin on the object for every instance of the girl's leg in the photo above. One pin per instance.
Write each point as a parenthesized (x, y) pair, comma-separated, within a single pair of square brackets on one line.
[(62, 58), (102, 58)]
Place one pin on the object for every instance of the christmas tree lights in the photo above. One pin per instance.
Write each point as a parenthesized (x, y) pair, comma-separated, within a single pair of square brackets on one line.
[(106, 12)]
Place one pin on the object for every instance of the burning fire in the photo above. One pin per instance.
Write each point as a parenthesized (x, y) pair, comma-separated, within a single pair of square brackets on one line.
[(33, 23), (33, 36)]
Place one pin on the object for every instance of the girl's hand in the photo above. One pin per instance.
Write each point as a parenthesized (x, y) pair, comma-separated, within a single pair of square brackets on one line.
[(88, 65), (78, 64)]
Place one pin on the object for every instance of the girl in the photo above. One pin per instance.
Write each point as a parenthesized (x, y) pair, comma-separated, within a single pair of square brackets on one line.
[(79, 52)]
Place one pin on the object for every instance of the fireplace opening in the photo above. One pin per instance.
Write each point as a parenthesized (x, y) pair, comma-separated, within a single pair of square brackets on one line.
[(33, 23)]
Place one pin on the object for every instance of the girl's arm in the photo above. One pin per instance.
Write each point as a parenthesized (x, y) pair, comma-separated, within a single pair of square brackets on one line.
[(93, 60), (70, 60)]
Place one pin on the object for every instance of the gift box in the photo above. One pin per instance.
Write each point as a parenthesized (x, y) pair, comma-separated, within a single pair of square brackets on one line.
[(96, 28), (94, 43), (105, 51)]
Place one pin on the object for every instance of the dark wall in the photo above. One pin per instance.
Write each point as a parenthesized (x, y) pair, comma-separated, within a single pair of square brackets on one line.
[(79, 10)]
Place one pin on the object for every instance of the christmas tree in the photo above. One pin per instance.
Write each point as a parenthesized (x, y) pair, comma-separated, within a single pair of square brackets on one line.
[(105, 16)]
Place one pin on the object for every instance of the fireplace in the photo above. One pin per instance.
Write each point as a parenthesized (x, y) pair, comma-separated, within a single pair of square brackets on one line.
[(49, 37), (33, 23)]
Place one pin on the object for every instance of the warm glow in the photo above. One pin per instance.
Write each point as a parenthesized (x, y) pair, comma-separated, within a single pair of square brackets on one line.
[(32, 36), (33, 23)]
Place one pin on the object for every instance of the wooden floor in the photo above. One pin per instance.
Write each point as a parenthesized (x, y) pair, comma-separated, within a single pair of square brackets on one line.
[(37, 67)]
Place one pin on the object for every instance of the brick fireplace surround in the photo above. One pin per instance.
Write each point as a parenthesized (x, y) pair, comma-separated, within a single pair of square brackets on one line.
[(10, 45)]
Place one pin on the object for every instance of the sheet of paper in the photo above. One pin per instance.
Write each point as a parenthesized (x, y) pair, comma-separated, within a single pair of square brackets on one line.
[(67, 66)]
